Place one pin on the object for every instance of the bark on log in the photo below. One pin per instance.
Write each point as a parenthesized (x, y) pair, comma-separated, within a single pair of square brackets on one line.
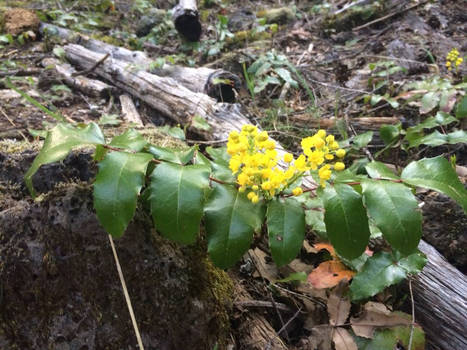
[(86, 85), (364, 123), (186, 19), (440, 294), (164, 94), (217, 83), (129, 111)]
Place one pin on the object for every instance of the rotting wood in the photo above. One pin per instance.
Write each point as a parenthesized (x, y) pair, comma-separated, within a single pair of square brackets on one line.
[(186, 19), (257, 333), (440, 294), (217, 83), (129, 111), (86, 85), (164, 94)]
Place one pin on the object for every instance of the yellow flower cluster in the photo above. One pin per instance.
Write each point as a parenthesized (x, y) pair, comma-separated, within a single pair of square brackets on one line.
[(254, 161), (453, 59)]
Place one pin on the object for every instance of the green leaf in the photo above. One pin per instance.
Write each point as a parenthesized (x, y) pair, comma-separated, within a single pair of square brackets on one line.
[(461, 110), (178, 157), (59, 142), (393, 208), (130, 140), (296, 276), (393, 338), (173, 131), (177, 198), (286, 228), (379, 170), (436, 174), (198, 122), (230, 221), (429, 101), (389, 133), (286, 76), (382, 270), (441, 118), (346, 220), (437, 139), (116, 189), (362, 140)]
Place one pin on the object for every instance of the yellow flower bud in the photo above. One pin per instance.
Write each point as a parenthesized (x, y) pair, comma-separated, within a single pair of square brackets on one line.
[(330, 138), (340, 153), (288, 157), (250, 195), (321, 133), (339, 166), (297, 191), (255, 187), (255, 199)]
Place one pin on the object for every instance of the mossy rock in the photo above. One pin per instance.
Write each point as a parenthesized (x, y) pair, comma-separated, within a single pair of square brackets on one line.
[(58, 280)]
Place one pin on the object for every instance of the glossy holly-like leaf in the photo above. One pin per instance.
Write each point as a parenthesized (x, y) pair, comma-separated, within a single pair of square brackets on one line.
[(177, 198), (394, 210), (59, 142), (345, 219), (130, 139), (378, 170), (382, 270), (230, 221), (436, 174), (286, 228), (174, 156), (116, 189), (429, 101)]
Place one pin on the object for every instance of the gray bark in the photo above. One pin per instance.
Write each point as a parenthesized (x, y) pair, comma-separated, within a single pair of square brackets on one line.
[(440, 294), (205, 80), (164, 94), (86, 85), (129, 111)]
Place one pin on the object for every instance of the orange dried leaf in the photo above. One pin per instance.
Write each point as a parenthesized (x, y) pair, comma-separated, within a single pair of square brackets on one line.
[(328, 274), (326, 246)]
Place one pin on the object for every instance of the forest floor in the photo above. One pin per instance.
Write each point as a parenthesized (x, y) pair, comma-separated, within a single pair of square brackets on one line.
[(318, 63)]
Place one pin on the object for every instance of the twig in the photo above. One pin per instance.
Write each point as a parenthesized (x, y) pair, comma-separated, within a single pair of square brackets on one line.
[(346, 7), (388, 16), (413, 314), (262, 303), (21, 72), (127, 296), (285, 325), (87, 71), (12, 123)]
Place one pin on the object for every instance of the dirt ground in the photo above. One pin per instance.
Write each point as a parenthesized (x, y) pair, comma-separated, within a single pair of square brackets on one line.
[(331, 52)]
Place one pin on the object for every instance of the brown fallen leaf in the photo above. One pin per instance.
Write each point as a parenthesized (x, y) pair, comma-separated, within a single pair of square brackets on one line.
[(328, 274), (343, 340), (376, 315), (338, 306)]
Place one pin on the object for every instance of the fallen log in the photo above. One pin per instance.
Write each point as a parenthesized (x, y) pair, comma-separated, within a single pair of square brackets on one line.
[(217, 83), (186, 19), (363, 123), (129, 111), (164, 94), (64, 73), (440, 294)]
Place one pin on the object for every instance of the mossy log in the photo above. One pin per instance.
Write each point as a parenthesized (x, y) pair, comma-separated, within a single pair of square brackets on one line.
[(59, 286), (186, 19), (217, 83)]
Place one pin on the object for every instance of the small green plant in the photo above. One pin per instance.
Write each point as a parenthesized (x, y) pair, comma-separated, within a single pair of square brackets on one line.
[(237, 191)]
